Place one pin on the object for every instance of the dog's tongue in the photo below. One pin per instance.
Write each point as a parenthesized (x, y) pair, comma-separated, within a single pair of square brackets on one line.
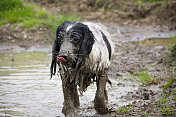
[(61, 59)]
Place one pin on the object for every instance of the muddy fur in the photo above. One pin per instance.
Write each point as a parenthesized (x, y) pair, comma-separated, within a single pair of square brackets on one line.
[(87, 49)]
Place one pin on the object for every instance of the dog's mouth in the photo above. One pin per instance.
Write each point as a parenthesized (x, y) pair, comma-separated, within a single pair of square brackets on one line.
[(69, 63), (61, 59)]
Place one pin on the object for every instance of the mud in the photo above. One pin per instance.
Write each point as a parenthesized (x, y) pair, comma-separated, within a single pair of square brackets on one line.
[(14, 35)]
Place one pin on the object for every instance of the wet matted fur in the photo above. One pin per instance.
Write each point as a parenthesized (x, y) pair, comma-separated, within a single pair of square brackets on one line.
[(86, 49)]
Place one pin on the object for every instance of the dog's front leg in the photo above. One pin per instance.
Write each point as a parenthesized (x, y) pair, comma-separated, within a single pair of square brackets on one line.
[(71, 99), (101, 95)]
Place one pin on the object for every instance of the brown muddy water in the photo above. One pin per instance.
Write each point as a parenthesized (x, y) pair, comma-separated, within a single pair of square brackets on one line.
[(26, 90), (156, 42)]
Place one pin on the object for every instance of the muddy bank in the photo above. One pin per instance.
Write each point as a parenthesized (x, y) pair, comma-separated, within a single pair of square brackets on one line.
[(131, 59), (133, 54), (122, 12), (12, 35)]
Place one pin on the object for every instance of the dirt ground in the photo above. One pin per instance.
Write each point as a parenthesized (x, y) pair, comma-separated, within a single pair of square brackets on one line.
[(122, 18)]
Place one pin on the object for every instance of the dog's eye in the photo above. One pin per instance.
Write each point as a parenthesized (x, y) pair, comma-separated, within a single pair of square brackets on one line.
[(60, 36), (75, 40)]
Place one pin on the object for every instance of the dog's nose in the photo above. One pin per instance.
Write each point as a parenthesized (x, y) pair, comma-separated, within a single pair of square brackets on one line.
[(64, 55)]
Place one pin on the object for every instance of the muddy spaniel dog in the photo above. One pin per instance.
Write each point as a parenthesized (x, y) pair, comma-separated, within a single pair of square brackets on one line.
[(82, 52)]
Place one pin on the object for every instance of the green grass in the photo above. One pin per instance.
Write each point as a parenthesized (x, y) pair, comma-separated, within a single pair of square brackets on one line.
[(122, 110), (57, 20), (140, 1), (166, 107), (164, 98), (173, 38), (145, 78), (174, 95), (173, 48), (30, 15), (145, 113), (171, 57), (167, 110), (14, 11), (170, 82), (153, 1)]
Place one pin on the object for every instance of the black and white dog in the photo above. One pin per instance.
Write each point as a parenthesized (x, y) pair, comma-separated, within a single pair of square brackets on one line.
[(82, 52)]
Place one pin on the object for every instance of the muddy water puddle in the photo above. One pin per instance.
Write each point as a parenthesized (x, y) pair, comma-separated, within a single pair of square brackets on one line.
[(156, 42), (26, 90), (138, 33)]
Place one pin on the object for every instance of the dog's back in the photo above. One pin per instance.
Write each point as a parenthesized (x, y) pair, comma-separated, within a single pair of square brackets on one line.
[(103, 47)]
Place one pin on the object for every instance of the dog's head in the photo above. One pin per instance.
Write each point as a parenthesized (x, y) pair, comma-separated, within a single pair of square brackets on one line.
[(75, 42)]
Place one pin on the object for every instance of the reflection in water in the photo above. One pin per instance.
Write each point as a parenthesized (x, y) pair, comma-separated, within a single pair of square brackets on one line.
[(25, 88)]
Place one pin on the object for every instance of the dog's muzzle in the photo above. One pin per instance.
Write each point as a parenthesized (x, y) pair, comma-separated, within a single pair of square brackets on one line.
[(63, 57), (66, 59)]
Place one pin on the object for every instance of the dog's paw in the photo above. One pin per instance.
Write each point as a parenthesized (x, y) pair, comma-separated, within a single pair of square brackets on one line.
[(70, 112), (101, 105)]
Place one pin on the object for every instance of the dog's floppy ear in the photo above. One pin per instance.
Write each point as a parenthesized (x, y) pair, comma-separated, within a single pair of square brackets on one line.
[(88, 40), (55, 51), (86, 46)]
